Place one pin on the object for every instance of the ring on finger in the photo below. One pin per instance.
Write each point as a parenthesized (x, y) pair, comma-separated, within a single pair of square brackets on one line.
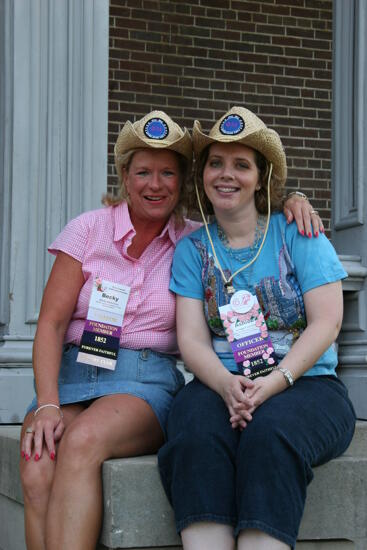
[(314, 212), (29, 431)]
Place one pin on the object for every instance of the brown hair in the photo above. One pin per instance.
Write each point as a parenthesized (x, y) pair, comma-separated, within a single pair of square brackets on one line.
[(261, 199)]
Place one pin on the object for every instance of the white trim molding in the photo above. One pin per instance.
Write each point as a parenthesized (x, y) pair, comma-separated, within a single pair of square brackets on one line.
[(55, 102)]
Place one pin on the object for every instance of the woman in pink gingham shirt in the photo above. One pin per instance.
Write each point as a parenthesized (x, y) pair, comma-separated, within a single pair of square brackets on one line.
[(85, 413), (100, 241)]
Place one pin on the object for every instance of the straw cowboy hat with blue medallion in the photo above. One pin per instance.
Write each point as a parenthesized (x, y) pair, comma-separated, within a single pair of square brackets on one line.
[(155, 130), (242, 126)]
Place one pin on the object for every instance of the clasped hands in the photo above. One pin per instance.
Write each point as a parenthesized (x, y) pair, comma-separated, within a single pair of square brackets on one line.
[(242, 396)]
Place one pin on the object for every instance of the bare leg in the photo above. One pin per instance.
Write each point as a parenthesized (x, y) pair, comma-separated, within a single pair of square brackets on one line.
[(37, 480), (207, 535), (252, 539), (113, 426)]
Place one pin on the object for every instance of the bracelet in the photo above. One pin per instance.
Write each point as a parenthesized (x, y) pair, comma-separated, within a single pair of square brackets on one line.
[(299, 194), (48, 405), (287, 375)]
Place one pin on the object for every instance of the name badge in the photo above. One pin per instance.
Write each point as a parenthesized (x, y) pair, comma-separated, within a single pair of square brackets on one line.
[(247, 334), (100, 340)]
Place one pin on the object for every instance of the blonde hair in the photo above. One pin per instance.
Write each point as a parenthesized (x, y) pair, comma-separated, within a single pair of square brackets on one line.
[(123, 164)]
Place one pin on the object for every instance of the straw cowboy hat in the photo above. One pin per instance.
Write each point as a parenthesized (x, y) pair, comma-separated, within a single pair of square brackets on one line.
[(156, 130), (242, 126)]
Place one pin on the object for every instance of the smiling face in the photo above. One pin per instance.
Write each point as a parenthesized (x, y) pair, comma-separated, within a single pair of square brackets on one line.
[(152, 181), (231, 177)]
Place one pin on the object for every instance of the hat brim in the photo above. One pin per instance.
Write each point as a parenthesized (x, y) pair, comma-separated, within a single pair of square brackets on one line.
[(128, 140), (264, 140)]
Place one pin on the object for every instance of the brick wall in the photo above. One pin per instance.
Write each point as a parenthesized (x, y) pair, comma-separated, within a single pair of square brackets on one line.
[(197, 58)]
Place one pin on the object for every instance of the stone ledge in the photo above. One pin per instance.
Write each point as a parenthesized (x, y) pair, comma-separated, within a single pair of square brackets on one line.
[(138, 515)]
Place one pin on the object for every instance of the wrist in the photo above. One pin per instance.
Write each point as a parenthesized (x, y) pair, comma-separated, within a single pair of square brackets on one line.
[(296, 194), (221, 381), (48, 406), (285, 376), (44, 397)]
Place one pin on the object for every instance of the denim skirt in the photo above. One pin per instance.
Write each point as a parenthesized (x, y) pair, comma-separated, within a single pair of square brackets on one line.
[(144, 373), (257, 478)]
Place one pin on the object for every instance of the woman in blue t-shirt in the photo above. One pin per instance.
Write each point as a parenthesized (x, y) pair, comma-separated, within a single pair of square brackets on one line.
[(258, 311)]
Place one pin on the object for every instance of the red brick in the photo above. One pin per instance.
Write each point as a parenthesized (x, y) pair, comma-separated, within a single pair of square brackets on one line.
[(147, 15), (178, 18), (262, 78), (126, 23), (227, 35), (235, 97), (210, 22), (208, 43), (198, 10), (214, 13), (271, 29), (195, 31), (196, 72), (298, 52), (316, 44), (259, 53), (278, 10), (241, 46), (245, 7), (230, 75), (305, 13), (208, 63)]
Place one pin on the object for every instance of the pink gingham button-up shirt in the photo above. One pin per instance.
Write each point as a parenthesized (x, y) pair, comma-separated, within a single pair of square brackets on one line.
[(99, 239)]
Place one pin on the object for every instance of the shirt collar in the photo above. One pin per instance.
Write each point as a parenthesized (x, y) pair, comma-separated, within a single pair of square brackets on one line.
[(123, 225)]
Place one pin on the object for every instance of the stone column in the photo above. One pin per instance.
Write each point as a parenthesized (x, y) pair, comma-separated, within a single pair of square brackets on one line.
[(350, 188), (54, 104)]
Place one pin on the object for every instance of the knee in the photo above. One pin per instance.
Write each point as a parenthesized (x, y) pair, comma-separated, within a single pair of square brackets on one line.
[(268, 442), (37, 478), (80, 446), (194, 446)]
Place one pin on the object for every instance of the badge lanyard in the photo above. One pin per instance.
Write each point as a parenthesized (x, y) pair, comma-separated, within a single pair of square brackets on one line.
[(243, 319), (100, 342), (227, 282)]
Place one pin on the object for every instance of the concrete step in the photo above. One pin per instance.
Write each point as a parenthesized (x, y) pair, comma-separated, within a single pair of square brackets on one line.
[(137, 514)]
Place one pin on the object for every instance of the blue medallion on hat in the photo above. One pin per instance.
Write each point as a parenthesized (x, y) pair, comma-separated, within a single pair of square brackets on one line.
[(232, 125), (156, 128)]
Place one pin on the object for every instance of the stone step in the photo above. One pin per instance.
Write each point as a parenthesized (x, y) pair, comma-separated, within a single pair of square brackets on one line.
[(137, 514)]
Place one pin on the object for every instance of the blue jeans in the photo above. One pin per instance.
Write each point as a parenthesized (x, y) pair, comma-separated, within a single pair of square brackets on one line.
[(256, 478)]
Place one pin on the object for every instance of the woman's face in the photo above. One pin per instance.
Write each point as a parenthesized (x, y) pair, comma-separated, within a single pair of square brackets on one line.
[(231, 176), (153, 184)]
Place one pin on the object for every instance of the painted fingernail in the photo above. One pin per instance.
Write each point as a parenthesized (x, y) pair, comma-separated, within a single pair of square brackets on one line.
[(316, 234), (322, 230), (52, 455), (309, 235), (36, 457), (22, 454), (27, 457), (302, 233)]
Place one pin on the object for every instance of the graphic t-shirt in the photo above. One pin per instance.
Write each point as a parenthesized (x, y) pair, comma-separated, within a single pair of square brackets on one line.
[(288, 266)]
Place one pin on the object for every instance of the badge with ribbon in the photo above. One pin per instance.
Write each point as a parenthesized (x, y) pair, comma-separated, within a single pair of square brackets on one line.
[(100, 340), (247, 333)]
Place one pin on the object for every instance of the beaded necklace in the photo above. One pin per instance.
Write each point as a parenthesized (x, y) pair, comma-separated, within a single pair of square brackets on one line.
[(236, 253)]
